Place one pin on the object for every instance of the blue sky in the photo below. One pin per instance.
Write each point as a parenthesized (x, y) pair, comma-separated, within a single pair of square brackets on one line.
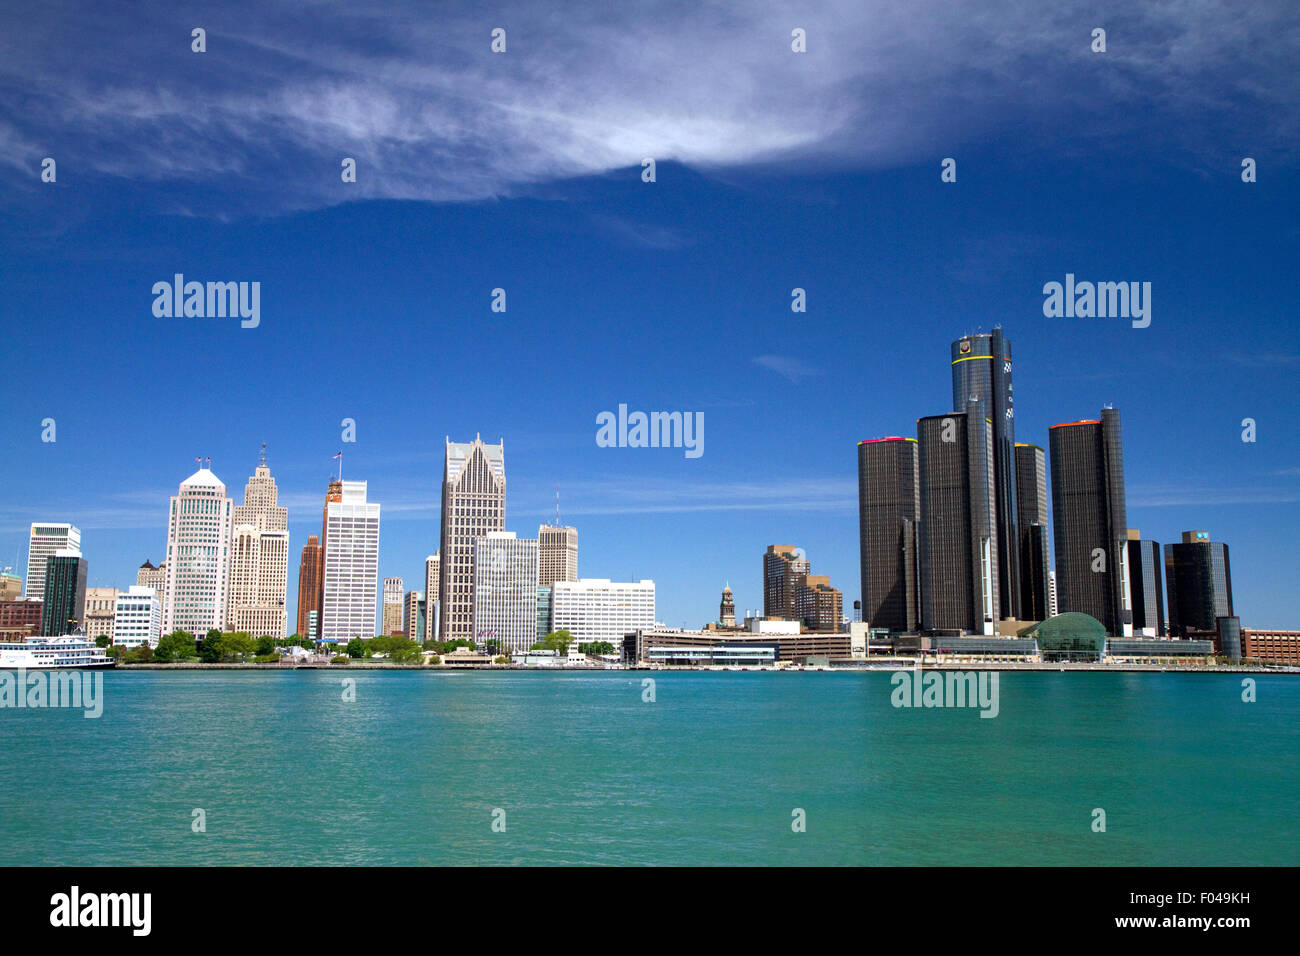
[(523, 171)]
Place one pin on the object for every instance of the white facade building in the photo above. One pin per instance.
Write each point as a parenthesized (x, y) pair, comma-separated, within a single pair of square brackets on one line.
[(504, 569), (557, 554), (43, 540), (137, 617), (598, 609), (198, 555), (351, 580), (432, 577)]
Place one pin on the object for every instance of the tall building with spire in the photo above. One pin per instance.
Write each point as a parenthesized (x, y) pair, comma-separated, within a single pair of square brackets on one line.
[(199, 524), (259, 558), (473, 504), (309, 583), (981, 372), (727, 608)]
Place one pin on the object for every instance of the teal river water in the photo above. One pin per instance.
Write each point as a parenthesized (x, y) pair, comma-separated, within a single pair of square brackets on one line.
[(709, 773)]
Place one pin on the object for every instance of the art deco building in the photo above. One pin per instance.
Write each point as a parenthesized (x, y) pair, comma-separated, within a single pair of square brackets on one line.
[(784, 569), (309, 585), (1199, 579), (889, 505), (473, 504), (259, 558), (65, 592), (1031, 524), (351, 578), (394, 592), (1090, 525), (557, 554), (981, 372), (97, 619), (958, 534), (154, 577), (45, 538), (1145, 585), (199, 524), (505, 591)]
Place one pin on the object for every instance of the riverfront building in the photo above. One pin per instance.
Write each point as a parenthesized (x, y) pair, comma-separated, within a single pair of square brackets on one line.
[(137, 618), (981, 372), (65, 593), (1199, 580), (473, 504), (351, 578), (1031, 525), (557, 554), (598, 609), (391, 621), (784, 569), (958, 534), (889, 507), (413, 615), (1145, 585), (432, 575), (44, 539), (259, 558), (199, 524), (310, 566), (504, 570), (1090, 521), (97, 618), (1271, 646), (820, 606)]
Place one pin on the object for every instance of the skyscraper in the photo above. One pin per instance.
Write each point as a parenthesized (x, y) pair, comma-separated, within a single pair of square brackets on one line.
[(958, 534), (1031, 524), (44, 538), (432, 581), (473, 504), (391, 622), (1145, 585), (65, 592), (334, 493), (309, 584), (981, 371), (784, 569), (259, 558), (889, 503), (820, 606), (557, 554), (413, 615), (351, 579), (198, 555), (1199, 579), (1090, 525), (505, 590)]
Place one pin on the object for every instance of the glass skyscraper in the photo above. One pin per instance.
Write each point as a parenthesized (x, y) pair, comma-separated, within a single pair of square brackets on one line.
[(889, 505)]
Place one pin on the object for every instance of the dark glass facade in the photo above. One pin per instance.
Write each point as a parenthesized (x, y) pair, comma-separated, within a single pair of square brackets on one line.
[(1146, 587), (957, 535), (1199, 582), (981, 371), (1031, 523), (889, 503), (1089, 527), (65, 594)]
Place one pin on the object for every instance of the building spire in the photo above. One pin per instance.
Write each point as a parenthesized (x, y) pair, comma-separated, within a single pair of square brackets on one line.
[(262, 461)]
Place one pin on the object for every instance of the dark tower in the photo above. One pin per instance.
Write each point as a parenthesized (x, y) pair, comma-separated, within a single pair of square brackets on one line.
[(1144, 585), (889, 504), (1089, 522), (1031, 523), (1199, 579), (958, 540), (981, 371)]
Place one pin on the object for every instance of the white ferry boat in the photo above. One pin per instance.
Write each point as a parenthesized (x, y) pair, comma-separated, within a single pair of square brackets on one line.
[(44, 653)]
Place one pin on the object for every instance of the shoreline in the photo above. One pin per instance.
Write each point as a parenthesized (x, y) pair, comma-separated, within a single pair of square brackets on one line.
[(882, 667)]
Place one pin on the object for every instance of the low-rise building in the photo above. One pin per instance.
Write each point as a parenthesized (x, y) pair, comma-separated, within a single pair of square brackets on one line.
[(1270, 645), (137, 617)]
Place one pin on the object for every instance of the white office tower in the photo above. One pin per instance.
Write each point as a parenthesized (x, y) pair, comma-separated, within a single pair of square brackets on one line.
[(43, 540), (557, 554), (431, 582), (259, 558), (505, 591), (1051, 594), (137, 617), (351, 582), (198, 555), (473, 504), (598, 609), (391, 621)]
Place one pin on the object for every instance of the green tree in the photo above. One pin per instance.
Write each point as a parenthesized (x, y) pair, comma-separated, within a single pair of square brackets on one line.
[(210, 649), (102, 641), (265, 645), (236, 646), (556, 641), (175, 647), (356, 648)]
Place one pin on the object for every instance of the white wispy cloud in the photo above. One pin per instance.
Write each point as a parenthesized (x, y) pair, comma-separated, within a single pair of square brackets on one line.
[(785, 366), (416, 96)]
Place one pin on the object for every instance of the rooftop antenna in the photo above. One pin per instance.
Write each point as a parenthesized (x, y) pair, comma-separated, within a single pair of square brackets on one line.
[(262, 461), (557, 506)]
